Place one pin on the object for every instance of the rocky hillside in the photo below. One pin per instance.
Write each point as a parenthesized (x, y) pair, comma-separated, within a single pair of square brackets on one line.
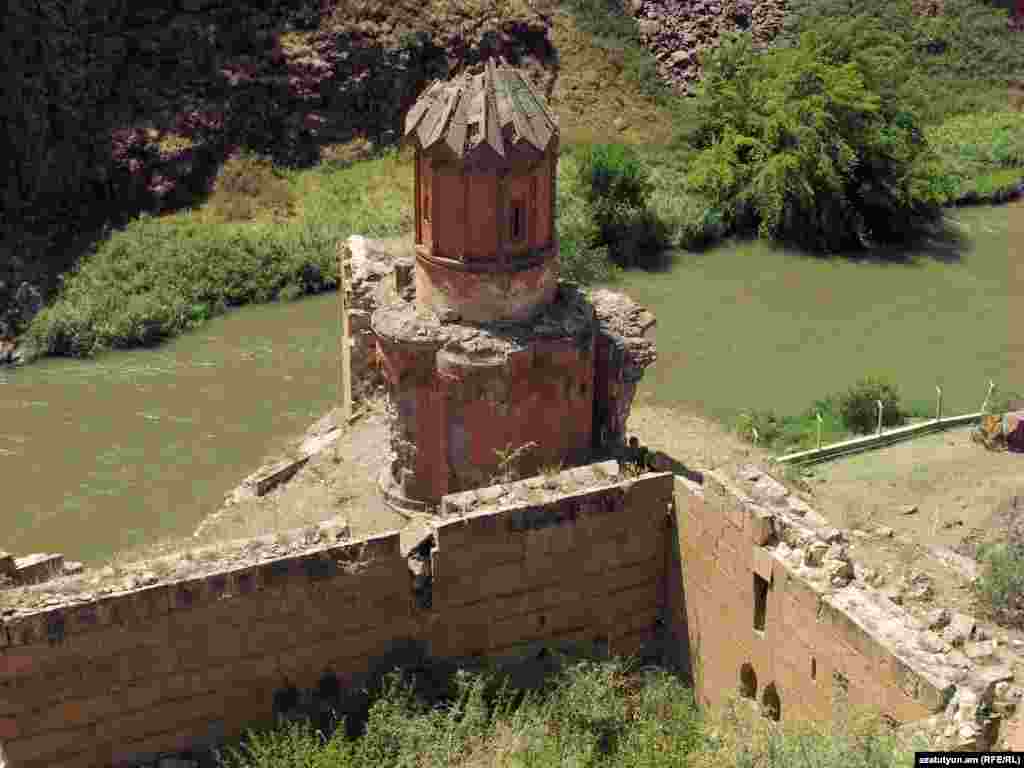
[(678, 31), (138, 105)]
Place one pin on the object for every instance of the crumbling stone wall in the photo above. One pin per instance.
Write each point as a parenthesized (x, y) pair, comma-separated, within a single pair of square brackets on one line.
[(462, 394), (768, 605), (584, 558), (375, 275), (622, 353), (122, 677)]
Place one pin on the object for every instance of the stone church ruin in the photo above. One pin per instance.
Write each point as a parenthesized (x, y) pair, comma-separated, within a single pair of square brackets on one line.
[(493, 353), (735, 581)]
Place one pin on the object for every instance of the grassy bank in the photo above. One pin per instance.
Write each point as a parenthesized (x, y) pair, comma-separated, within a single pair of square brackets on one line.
[(592, 714), (264, 235)]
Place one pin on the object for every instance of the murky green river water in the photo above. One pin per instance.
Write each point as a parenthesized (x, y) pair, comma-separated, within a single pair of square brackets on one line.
[(99, 456)]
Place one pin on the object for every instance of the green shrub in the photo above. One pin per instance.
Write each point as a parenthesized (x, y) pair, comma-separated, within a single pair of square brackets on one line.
[(689, 222), (960, 60), (161, 276), (591, 713), (859, 410), (741, 738), (806, 145), (613, 173), (295, 745), (1000, 586), (584, 259), (616, 185), (762, 427), (794, 433)]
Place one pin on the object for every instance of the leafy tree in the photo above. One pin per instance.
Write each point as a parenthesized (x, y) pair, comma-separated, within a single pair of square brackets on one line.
[(616, 186), (817, 144)]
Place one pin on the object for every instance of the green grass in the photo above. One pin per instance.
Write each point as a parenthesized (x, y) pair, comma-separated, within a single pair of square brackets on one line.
[(984, 152), (591, 714), (1000, 586), (264, 235)]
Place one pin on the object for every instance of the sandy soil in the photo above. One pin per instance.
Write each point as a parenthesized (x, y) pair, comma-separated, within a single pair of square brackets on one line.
[(338, 483)]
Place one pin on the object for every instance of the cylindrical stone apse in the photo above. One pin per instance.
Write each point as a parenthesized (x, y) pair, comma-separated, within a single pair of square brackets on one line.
[(463, 396)]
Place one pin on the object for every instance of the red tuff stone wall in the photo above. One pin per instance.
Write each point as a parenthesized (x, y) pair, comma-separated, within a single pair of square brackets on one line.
[(462, 409), (583, 566), (110, 680), (481, 296), (481, 225), (810, 649), (121, 678), (582, 558)]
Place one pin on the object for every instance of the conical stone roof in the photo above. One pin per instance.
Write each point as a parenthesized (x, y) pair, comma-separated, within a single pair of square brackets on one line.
[(490, 116)]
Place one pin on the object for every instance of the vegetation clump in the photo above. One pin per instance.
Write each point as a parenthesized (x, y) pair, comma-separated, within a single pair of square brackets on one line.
[(591, 714), (616, 186), (858, 406), (1000, 586), (841, 415), (808, 144)]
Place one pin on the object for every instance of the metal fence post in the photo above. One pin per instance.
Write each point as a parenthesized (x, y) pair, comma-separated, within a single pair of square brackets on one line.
[(991, 388), (880, 407), (938, 405)]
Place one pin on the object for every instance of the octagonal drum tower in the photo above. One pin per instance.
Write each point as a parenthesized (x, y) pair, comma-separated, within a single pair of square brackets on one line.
[(493, 354)]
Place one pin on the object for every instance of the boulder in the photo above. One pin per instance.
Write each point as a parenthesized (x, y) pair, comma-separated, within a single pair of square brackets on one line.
[(649, 28), (770, 490), (1013, 431)]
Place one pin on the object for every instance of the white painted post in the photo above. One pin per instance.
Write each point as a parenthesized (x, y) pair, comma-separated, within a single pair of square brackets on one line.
[(938, 405), (880, 407), (991, 388), (818, 417)]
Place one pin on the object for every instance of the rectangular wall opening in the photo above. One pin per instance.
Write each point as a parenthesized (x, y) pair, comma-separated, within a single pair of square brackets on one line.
[(518, 223), (760, 602)]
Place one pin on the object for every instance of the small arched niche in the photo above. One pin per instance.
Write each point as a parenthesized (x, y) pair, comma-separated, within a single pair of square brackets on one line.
[(748, 681)]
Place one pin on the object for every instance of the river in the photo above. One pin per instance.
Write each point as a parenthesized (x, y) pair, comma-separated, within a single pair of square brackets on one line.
[(109, 454), (106, 455)]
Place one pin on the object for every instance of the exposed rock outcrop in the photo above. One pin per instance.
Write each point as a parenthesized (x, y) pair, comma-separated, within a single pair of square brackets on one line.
[(679, 32)]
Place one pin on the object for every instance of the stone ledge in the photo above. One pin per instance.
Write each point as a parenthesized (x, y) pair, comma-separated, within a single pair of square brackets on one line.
[(72, 604)]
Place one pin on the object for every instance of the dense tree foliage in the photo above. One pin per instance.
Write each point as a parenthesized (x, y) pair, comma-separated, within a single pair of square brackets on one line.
[(817, 144)]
